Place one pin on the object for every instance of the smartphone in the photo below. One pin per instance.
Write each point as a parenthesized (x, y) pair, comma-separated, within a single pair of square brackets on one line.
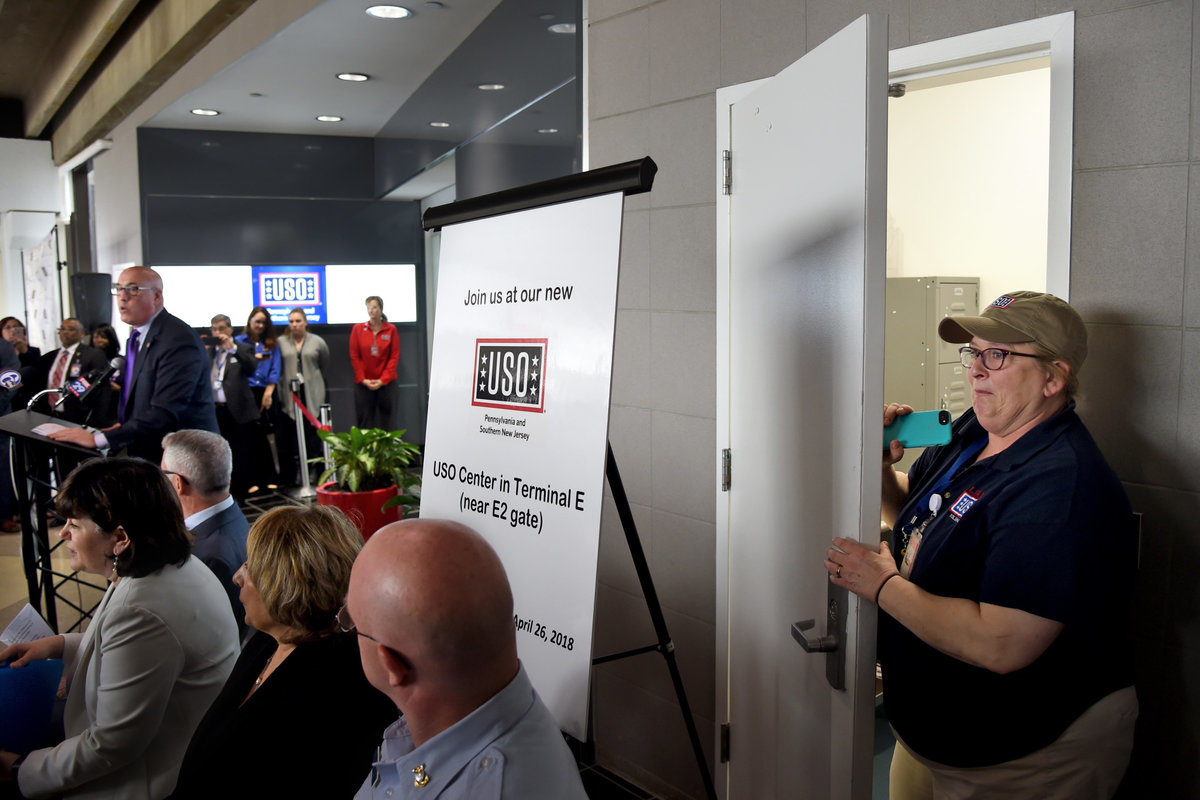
[(919, 429), (210, 341)]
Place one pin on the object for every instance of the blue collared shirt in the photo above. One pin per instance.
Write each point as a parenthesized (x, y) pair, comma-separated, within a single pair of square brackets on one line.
[(268, 368), (508, 748)]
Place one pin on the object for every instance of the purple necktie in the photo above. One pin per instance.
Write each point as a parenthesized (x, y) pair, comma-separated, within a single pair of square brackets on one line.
[(130, 356)]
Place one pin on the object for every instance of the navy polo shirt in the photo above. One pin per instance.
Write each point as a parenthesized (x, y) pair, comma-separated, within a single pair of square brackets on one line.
[(1044, 527)]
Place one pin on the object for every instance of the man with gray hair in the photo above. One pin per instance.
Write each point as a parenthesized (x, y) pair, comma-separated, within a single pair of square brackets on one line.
[(198, 464)]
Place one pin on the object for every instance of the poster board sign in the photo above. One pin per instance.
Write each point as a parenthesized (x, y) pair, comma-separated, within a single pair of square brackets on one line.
[(518, 418)]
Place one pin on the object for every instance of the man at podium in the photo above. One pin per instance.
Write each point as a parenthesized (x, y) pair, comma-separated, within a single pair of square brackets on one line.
[(165, 384)]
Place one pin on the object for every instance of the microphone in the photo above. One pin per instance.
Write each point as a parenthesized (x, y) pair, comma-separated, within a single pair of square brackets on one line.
[(84, 387)]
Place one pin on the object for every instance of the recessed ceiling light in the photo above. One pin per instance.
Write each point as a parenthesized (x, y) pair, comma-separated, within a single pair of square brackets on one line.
[(545, 17), (205, 112), (547, 130), (389, 12), (439, 124), (491, 87), (562, 27), (353, 77), (329, 118)]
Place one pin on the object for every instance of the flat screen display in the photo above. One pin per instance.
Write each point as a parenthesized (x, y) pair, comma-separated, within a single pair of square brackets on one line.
[(330, 294)]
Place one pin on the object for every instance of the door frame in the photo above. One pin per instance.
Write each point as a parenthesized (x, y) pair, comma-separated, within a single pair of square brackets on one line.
[(1052, 36)]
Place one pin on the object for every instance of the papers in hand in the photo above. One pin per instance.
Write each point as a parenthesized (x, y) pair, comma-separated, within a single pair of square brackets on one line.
[(47, 428), (27, 626)]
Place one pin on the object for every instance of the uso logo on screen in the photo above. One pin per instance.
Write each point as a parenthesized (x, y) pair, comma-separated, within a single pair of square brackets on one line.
[(510, 373), (289, 288)]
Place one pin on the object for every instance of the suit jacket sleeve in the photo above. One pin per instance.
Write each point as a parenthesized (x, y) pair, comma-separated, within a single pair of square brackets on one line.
[(178, 364), (139, 662), (245, 356)]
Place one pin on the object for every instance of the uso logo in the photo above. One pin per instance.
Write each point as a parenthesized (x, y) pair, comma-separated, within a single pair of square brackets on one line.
[(510, 373), (1003, 301), (10, 379), (289, 288)]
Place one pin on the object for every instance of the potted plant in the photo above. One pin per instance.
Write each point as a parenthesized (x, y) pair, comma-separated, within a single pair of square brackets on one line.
[(369, 476)]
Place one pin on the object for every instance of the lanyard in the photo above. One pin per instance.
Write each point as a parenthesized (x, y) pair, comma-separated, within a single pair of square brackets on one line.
[(969, 452), (912, 533)]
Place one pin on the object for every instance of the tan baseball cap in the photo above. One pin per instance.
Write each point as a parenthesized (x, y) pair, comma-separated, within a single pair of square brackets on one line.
[(1025, 317)]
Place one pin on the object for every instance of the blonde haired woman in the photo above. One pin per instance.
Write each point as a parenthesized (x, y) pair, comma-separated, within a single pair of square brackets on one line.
[(297, 717)]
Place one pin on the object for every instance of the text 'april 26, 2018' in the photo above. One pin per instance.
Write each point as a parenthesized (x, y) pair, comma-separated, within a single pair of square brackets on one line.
[(540, 631)]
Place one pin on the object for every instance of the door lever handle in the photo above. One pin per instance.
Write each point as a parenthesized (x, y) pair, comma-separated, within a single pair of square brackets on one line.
[(817, 644)]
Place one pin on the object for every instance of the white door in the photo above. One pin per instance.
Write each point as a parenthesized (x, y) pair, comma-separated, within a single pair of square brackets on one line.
[(804, 367)]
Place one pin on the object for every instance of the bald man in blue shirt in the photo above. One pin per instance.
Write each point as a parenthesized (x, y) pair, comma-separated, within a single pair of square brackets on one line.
[(434, 613)]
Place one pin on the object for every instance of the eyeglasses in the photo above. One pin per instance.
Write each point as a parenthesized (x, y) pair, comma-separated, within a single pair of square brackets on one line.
[(993, 357), (131, 291), (70, 330), (14, 328), (346, 624), (181, 477)]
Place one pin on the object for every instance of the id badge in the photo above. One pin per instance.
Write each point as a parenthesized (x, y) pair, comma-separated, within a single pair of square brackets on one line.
[(217, 385), (913, 543), (910, 555), (375, 350)]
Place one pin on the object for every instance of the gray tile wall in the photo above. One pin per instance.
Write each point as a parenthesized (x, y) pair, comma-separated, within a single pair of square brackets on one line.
[(1135, 278)]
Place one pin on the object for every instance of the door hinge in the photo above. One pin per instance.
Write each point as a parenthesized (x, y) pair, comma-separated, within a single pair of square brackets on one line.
[(726, 470), (725, 743), (727, 167)]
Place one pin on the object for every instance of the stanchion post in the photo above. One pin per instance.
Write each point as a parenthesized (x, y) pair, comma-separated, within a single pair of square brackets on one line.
[(306, 489), (326, 417)]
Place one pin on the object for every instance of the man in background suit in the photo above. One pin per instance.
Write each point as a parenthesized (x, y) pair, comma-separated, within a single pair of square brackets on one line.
[(231, 363), (165, 386), (73, 360), (198, 464)]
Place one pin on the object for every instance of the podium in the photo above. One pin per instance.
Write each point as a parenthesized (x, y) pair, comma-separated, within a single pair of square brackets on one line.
[(33, 458)]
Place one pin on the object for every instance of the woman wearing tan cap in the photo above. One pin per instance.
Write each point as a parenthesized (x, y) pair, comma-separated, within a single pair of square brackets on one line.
[(1013, 566)]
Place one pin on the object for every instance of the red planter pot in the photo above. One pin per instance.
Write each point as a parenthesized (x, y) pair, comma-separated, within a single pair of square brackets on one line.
[(363, 508)]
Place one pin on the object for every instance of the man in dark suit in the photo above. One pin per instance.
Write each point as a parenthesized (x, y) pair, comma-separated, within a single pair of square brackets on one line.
[(165, 386), (198, 465), (231, 363), (73, 360)]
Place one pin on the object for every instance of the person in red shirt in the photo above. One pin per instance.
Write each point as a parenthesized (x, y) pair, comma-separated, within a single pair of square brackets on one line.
[(375, 352)]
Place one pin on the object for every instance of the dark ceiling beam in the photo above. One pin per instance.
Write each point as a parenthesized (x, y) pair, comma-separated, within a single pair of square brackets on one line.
[(164, 41), (95, 27)]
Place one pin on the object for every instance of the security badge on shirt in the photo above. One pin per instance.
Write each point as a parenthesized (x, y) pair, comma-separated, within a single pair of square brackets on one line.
[(912, 537)]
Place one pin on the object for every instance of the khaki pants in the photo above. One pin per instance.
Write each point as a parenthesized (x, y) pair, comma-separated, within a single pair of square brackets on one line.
[(1086, 763)]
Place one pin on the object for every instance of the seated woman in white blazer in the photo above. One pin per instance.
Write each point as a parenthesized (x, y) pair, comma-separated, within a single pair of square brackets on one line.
[(157, 651)]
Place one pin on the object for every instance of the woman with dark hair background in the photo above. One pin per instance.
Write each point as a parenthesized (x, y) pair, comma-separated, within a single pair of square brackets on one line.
[(105, 339), (156, 652), (260, 332)]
